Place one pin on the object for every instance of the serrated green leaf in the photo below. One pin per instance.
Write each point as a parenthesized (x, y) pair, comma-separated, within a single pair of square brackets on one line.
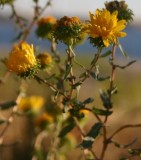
[(66, 129), (102, 112), (7, 105), (106, 54)]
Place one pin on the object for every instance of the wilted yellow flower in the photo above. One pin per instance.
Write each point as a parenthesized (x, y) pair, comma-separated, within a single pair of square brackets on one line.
[(68, 30), (21, 58), (43, 119), (106, 26), (44, 59), (31, 104), (123, 11), (68, 22)]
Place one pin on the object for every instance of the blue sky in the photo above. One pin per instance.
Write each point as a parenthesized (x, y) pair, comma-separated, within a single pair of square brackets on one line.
[(72, 7)]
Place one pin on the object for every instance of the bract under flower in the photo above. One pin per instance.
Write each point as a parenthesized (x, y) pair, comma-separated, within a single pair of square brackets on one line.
[(106, 26)]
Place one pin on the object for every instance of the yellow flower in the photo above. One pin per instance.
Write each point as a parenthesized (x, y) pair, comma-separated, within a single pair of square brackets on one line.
[(47, 20), (69, 22), (45, 27), (21, 58), (106, 26), (31, 104), (44, 59), (84, 111), (43, 119), (68, 30)]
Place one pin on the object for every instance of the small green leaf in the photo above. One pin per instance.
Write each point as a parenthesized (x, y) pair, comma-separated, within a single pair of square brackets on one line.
[(7, 105), (102, 112), (67, 129), (68, 69), (76, 85), (106, 54), (95, 130), (92, 134), (96, 76), (122, 50), (105, 99), (88, 100)]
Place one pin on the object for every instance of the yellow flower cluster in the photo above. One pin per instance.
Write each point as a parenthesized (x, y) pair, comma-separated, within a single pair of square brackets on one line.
[(21, 58), (106, 26), (32, 104)]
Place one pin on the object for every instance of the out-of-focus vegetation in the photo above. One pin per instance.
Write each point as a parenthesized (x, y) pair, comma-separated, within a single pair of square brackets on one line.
[(54, 106)]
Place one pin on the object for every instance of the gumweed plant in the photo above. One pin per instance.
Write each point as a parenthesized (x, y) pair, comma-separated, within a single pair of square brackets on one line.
[(59, 119)]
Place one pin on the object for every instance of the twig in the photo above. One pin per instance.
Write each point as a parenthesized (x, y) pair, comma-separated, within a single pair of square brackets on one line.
[(36, 17), (124, 127), (50, 85)]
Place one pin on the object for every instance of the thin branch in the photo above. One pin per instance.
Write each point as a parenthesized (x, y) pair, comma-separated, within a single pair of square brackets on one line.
[(124, 127), (50, 85), (36, 17)]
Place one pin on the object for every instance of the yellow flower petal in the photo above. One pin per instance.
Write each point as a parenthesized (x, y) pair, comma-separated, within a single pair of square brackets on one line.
[(105, 25)]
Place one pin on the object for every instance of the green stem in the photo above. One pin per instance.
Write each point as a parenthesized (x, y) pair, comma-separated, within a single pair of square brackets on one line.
[(105, 139), (72, 78)]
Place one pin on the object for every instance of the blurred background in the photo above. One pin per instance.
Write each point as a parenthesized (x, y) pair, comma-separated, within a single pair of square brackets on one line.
[(78, 8), (127, 101)]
